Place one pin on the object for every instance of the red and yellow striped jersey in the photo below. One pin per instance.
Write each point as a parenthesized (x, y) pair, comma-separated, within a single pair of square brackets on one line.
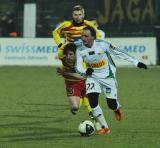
[(70, 31), (70, 68)]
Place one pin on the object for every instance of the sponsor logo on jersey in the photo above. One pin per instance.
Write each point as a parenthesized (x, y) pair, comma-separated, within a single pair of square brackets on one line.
[(98, 64)]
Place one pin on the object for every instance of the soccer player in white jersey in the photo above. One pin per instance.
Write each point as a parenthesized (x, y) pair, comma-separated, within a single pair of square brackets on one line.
[(100, 73)]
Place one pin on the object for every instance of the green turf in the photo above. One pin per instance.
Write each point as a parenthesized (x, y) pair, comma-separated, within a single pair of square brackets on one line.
[(34, 111)]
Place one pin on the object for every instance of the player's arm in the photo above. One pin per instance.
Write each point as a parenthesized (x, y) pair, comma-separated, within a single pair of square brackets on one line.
[(61, 56), (119, 53), (57, 35), (58, 32), (73, 75), (61, 71), (79, 66)]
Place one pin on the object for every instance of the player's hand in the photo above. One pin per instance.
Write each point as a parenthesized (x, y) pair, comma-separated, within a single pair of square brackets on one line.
[(59, 71), (89, 71), (142, 65), (62, 46), (60, 51)]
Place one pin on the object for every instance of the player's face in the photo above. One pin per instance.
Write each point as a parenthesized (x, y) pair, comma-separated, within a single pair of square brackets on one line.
[(87, 38), (78, 16), (70, 56)]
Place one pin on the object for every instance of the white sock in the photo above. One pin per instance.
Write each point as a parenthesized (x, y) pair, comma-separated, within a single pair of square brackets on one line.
[(98, 114), (118, 105)]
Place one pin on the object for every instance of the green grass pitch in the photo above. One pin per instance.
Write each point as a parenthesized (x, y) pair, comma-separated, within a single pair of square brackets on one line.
[(34, 111)]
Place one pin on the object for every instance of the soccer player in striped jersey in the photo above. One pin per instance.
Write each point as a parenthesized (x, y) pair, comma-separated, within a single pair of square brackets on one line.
[(72, 30), (75, 83)]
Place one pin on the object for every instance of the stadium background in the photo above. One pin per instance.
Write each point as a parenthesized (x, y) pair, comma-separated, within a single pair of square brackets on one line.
[(123, 18), (117, 18), (34, 111)]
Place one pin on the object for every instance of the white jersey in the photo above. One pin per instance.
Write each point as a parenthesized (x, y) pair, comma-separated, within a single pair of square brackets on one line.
[(98, 58), (102, 33)]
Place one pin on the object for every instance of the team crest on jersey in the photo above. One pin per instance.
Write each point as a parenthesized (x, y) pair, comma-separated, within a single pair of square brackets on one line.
[(108, 90)]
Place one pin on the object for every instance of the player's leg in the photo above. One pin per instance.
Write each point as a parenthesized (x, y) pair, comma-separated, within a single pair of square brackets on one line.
[(87, 104), (80, 102), (84, 100), (73, 96), (93, 90), (74, 104), (110, 90), (115, 106)]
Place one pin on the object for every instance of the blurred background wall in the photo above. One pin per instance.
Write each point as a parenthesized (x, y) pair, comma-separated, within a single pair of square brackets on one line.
[(118, 18)]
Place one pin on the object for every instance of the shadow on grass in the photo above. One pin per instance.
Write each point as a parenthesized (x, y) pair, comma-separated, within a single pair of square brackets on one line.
[(44, 106), (39, 134), (25, 116), (25, 126), (14, 125)]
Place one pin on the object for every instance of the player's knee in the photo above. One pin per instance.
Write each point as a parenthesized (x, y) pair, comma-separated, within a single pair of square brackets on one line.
[(112, 103), (93, 99)]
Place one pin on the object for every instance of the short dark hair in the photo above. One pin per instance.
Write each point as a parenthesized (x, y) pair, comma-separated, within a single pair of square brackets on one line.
[(92, 30), (69, 47), (78, 8)]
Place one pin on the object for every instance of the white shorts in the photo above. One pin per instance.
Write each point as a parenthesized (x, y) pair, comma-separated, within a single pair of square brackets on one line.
[(107, 86)]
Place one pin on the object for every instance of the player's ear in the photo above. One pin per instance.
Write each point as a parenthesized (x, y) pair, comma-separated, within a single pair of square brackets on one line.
[(83, 15), (83, 12), (93, 37)]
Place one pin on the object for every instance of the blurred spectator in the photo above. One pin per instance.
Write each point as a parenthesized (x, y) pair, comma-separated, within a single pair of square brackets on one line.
[(95, 22), (8, 27)]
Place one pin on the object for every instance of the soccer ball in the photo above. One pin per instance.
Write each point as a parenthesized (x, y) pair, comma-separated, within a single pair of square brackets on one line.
[(86, 128)]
